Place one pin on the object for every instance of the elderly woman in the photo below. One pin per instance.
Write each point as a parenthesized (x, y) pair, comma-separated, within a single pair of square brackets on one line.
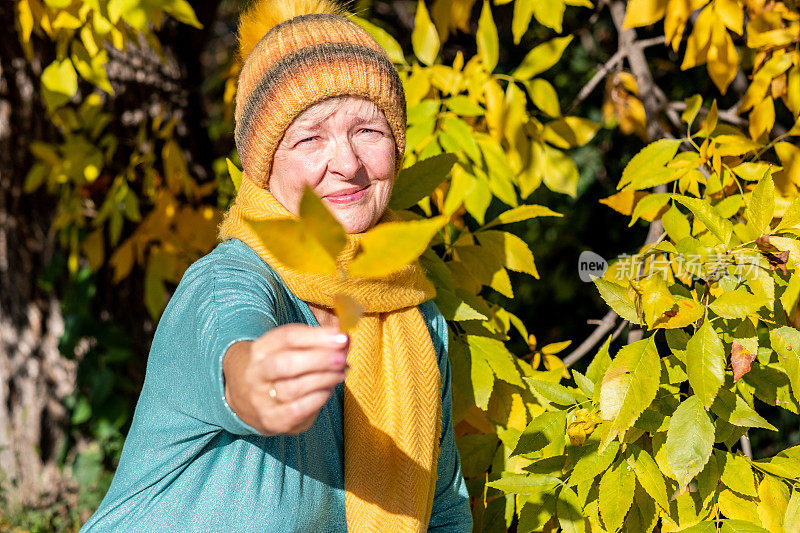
[(249, 419)]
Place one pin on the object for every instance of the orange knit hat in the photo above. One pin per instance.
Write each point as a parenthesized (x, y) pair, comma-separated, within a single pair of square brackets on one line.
[(297, 53)]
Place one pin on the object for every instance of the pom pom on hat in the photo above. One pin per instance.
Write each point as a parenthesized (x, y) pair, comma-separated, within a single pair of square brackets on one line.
[(260, 16), (299, 52)]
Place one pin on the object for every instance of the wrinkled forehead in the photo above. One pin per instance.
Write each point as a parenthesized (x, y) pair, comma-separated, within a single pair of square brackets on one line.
[(355, 108)]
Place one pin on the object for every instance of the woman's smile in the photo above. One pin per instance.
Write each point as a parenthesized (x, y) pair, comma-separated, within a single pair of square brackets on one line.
[(350, 195)]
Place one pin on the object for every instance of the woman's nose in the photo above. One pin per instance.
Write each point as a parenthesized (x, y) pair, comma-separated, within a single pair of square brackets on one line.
[(343, 159)]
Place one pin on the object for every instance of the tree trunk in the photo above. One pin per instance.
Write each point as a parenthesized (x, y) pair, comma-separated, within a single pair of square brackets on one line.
[(34, 376)]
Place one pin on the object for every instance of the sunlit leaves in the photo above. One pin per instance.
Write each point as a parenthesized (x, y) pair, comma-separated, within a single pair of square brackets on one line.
[(424, 39), (59, 83), (542, 57), (392, 246), (419, 180), (488, 44), (690, 439), (629, 385)]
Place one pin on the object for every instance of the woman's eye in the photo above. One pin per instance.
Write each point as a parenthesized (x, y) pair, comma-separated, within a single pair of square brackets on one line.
[(370, 130), (307, 139)]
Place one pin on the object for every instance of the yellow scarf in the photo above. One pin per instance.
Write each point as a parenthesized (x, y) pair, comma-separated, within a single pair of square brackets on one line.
[(392, 396)]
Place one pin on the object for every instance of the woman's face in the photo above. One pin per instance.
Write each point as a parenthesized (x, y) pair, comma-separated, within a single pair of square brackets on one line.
[(343, 149)]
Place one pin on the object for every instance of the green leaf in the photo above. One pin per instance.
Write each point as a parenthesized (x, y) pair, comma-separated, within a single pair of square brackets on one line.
[(546, 431), (570, 512), (560, 172), (690, 439), (616, 494), (424, 38), (791, 217), (737, 303), (676, 224), (720, 227), (420, 179), (653, 156), (463, 106), (544, 96), (786, 341), (476, 452), (523, 212), (617, 298), (629, 385), (741, 526), (482, 382), (181, 11), (551, 392), (705, 362), (392, 246), (387, 42), (731, 407), (513, 251), (497, 356), (736, 473), (649, 475), (523, 483), (321, 225), (648, 204), (592, 461), (59, 83), (791, 520), (488, 43), (761, 207), (541, 58), (463, 135), (570, 132)]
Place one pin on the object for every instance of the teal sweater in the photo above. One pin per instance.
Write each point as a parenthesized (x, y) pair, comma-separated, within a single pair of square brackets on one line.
[(190, 464)]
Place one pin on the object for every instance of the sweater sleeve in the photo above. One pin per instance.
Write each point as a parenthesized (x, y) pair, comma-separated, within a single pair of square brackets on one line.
[(451, 511), (220, 301)]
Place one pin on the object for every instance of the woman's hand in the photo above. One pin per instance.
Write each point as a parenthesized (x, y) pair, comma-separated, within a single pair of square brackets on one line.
[(302, 363)]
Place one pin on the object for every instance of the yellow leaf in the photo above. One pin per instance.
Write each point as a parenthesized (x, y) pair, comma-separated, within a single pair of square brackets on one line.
[(541, 58), (59, 83), (560, 173), (392, 246), (762, 118), (731, 14), (514, 251), (321, 225), (67, 21), (793, 93), (570, 132), (122, 260), (544, 96), (93, 249), (235, 173), (495, 109), (392, 47), (348, 310), (424, 39), (722, 58), (549, 13), (788, 178), (644, 12), (697, 43), (290, 242), (523, 11), (181, 11), (488, 44), (677, 13), (25, 17)]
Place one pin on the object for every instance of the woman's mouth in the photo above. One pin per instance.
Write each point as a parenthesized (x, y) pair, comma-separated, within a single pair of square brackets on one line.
[(347, 196)]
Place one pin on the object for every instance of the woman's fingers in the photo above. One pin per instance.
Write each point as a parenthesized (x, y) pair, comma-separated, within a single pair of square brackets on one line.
[(302, 336), (293, 417), (288, 390)]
